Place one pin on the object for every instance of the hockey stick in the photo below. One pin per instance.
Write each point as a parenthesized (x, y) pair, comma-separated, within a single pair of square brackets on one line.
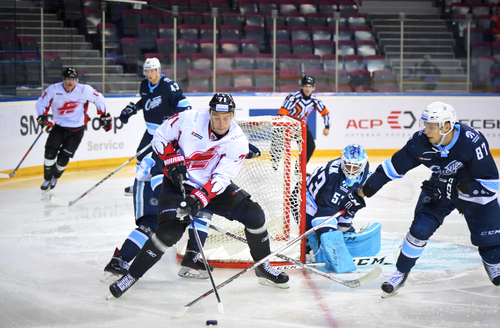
[(359, 261), (220, 307), (370, 276), (10, 175), (63, 202), (256, 264)]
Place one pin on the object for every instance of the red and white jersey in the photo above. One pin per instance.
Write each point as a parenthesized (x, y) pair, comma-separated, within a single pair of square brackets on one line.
[(211, 163), (69, 108)]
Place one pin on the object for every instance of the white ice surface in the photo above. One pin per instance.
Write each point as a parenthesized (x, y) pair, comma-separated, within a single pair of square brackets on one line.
[(51, 260)]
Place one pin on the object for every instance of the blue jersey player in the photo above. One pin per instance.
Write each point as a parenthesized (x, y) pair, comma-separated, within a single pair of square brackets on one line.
[(464, 177), (161, 98), (326, 187), (146, 190)]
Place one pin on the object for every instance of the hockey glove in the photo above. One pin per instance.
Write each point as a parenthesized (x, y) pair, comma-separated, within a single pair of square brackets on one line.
[(43, 121), (352, 203), (175, 168), (192, 204), (127, 112), (253, 151), (106, 121), (437, 188)]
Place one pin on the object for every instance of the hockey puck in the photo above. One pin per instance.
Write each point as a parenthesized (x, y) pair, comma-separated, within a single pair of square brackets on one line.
[(211, 322)]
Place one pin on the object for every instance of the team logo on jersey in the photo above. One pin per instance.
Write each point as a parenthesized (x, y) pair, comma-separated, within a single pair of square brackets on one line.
[(68, 107), (472, 135), (200, 160), (196, 135), (152, 103), (452, 168)]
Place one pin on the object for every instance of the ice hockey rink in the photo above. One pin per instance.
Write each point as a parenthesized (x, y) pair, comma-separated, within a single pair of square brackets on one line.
[(52, 259)]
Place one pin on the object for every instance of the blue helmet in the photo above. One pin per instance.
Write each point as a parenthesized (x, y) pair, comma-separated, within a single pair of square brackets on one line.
[(354, 159)]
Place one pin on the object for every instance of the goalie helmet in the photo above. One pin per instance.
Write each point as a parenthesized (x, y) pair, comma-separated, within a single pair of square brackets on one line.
[(222, 102), (354, 160), (440, 113), (152, 63), (70, 72)]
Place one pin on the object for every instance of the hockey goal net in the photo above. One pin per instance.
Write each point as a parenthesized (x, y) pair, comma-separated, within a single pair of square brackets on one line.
[(276, 180)]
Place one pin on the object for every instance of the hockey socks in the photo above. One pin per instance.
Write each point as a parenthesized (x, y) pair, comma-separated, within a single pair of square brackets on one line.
[(133, 244), (410, 252), (337, 256)]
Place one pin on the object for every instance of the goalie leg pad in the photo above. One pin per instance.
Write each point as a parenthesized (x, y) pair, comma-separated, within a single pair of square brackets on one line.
[(317, 256), (336, 252), (365, 243)]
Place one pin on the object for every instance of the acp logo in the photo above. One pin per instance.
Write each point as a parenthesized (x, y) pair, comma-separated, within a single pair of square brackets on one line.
[(393, 120)]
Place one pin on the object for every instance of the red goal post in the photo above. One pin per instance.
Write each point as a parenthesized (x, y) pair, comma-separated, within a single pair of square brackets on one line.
[(276, 180)]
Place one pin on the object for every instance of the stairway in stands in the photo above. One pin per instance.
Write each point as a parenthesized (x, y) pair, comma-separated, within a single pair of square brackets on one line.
[(72, 47), (425, 33)]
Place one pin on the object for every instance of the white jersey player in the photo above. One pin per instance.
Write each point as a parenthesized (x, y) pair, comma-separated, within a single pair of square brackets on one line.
[(69, 101), (203, 150)]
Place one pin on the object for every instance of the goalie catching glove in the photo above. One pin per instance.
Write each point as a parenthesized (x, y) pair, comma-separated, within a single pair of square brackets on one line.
[(352, 203), (128, 111), (43, 121), (175, 168), (106, 122), (437, 188), (192, 204)]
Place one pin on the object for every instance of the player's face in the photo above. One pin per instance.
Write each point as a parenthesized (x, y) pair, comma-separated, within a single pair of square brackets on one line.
[(152, 75), (220, 121), (432, 132), (69, 83), (307, 90), (352, 168)]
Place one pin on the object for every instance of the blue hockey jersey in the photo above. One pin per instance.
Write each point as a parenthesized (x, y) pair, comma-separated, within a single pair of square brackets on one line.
[(327, 187), (467, 158), (161, 101)]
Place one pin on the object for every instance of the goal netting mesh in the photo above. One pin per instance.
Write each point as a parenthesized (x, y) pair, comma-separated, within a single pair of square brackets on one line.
[(276, 180)]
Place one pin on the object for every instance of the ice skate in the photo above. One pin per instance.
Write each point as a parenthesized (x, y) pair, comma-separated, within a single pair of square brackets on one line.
[(116, 268), (193, 267), (269, 276), (391, 286), (122, 285), (53, 183), (45, 185), (493, 272), (129, 191)]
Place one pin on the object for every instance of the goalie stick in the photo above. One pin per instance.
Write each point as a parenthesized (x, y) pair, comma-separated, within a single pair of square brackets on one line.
[(220, 307), (253, 266), (349, 283), (10, 175), (63, 202)]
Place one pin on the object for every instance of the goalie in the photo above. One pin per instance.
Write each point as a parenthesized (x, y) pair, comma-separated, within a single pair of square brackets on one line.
[(326, 187)]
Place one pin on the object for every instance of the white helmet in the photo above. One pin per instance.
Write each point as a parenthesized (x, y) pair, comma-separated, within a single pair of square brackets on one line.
[(354, 160), (152, 63), (440, 113)]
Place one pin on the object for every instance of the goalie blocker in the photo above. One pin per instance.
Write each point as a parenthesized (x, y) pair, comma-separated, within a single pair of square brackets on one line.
[(359, 244)]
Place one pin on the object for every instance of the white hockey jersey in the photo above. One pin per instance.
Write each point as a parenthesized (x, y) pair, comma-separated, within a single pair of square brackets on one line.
[(69, 108), (211, 163)]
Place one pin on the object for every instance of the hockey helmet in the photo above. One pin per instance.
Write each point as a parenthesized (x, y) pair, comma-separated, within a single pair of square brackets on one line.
[(222, 102), (308, 80), (152, 63), (70, 72), (354, 160), (440, 113)]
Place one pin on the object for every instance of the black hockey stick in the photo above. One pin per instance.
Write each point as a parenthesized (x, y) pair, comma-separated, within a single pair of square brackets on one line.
[(370, 276), (256, 264), (10, 175), (220, 307), (63, 202)]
